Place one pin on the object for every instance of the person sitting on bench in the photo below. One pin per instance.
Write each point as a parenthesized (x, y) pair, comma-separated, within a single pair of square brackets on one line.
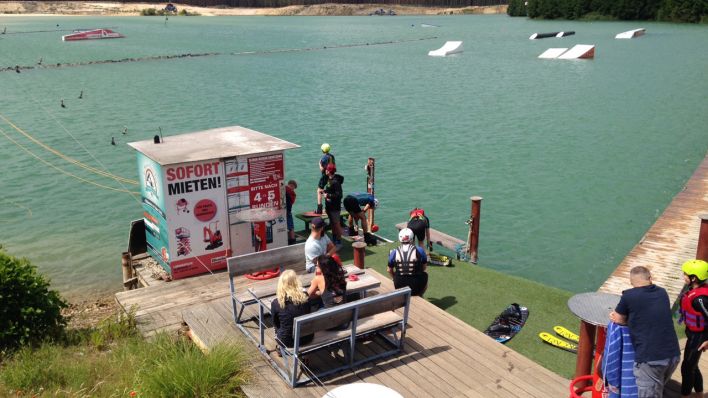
[(291, 302), (329, 285)]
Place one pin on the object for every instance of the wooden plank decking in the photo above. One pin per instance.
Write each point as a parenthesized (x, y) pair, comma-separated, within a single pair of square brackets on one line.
[(443, 356), (442, 239), (670, 241)]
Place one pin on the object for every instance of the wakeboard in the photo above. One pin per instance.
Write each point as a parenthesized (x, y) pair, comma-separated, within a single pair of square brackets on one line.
[(560, 343), (508, 323), (566, 334), (439, 259)]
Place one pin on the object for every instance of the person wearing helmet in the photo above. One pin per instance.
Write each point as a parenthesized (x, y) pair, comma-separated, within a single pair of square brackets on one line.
[(646, 309), (407, 264), (419, 223), (694, 312), (353, 204), (326, 159), (332, 194)]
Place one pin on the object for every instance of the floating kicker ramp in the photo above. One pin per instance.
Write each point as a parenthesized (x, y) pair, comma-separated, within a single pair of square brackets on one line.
[(580, 51), (450, 47), (631, 34), (551, 34)]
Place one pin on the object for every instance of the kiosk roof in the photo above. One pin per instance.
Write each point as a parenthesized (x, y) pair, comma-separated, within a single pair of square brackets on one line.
[(218, 143)]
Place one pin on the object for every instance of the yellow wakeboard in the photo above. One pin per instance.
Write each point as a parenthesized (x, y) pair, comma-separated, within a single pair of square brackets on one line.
[(565, 333), (439, 259), (556, 342)]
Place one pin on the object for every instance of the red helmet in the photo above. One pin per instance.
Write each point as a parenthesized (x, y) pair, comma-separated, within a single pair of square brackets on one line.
[(331, 168), (417, 213)]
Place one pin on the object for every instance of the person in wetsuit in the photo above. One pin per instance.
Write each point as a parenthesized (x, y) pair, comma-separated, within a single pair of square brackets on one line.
[(353, 203), (407, 264), (694, 312), (326, 159), (419, 223)]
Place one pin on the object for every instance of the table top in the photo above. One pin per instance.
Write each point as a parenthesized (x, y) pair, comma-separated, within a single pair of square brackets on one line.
[(308, 216), (269, 287), (364, 283), (358, 390), (593, 308), (258, 214)]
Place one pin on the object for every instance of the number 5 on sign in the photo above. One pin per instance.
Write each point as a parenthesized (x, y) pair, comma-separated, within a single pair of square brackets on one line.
[(271, 195)]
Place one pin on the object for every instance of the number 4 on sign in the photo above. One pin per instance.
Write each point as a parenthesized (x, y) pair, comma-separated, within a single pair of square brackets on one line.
[(257, 198)]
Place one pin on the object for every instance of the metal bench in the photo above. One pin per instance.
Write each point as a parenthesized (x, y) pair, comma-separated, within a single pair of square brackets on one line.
[(373, 314), (287, 257)]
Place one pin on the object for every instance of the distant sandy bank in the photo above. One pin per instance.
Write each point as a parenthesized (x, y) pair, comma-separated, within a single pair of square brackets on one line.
[(25, 8)]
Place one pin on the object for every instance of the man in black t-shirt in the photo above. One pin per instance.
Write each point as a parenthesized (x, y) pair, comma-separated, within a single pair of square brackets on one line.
[(646, 310)]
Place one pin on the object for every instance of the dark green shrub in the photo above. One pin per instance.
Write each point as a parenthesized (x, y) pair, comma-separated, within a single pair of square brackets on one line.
[(148, 12), (30, 312)]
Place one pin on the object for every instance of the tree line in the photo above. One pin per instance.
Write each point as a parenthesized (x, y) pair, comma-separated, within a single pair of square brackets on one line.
[(694, 11), (284, 3)]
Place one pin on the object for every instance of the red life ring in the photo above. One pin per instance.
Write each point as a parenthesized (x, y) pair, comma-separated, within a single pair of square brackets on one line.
[(263, 275)]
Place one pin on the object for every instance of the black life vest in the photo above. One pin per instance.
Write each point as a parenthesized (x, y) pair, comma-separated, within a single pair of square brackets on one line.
[(406, 261)]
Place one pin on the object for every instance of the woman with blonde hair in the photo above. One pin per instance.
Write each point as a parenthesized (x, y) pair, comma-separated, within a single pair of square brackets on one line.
[(291, 302)]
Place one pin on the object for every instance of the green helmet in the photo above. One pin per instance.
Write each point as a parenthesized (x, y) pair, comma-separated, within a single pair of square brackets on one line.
[(699, 268)]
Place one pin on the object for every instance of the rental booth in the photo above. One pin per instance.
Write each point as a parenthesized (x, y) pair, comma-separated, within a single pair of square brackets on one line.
[(210, 195)]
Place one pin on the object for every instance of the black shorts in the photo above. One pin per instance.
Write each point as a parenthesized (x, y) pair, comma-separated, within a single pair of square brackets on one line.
[(418, 227), (417, 283), (323, 181), (352, 205)]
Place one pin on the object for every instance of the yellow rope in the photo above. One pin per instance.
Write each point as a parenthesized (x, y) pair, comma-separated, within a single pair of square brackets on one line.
[(67, 158), (63, 171)]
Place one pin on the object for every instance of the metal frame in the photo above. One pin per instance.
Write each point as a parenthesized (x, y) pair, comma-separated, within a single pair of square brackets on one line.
[(268, 258), (291, 375)]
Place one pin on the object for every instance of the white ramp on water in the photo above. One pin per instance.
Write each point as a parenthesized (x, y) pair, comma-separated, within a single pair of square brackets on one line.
[(552, 53), (450, 47), (583, 51), (631, 34)]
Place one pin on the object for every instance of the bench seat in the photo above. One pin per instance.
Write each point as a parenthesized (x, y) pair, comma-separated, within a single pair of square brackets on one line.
[(364, 326)]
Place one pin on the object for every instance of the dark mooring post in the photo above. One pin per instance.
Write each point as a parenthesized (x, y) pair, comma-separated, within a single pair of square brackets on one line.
[(473, 237), (127, 271), (371, 186), (702, 249), (359, 253)]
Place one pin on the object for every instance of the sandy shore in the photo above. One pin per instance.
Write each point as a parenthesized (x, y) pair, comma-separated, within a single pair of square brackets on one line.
[(25, 8)]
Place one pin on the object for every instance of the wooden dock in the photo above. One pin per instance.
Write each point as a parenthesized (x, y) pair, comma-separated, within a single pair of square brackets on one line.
[(443, 356), (670, 242), (440, 238)]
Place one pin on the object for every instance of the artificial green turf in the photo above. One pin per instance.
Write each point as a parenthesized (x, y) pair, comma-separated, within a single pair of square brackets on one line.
[(476, 295)]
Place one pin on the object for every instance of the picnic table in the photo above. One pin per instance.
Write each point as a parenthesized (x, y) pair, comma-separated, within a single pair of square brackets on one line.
[(309, 215), (265, 293)]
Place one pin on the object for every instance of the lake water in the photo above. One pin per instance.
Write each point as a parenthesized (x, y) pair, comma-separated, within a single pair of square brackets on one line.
[(574, 159)]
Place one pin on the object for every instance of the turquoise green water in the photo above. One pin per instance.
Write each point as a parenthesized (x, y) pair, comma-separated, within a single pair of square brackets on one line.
[(574, 159)]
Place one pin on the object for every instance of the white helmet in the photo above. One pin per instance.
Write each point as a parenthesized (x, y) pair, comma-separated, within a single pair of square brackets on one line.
[(376, 203), (405, 236)]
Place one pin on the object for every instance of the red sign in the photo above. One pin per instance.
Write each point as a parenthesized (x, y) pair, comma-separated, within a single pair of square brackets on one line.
[(205, 210), (265, 174)]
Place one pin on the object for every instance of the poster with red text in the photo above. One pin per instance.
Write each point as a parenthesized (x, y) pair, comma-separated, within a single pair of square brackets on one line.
[(256, 182), (197, 214), (265, 175)]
